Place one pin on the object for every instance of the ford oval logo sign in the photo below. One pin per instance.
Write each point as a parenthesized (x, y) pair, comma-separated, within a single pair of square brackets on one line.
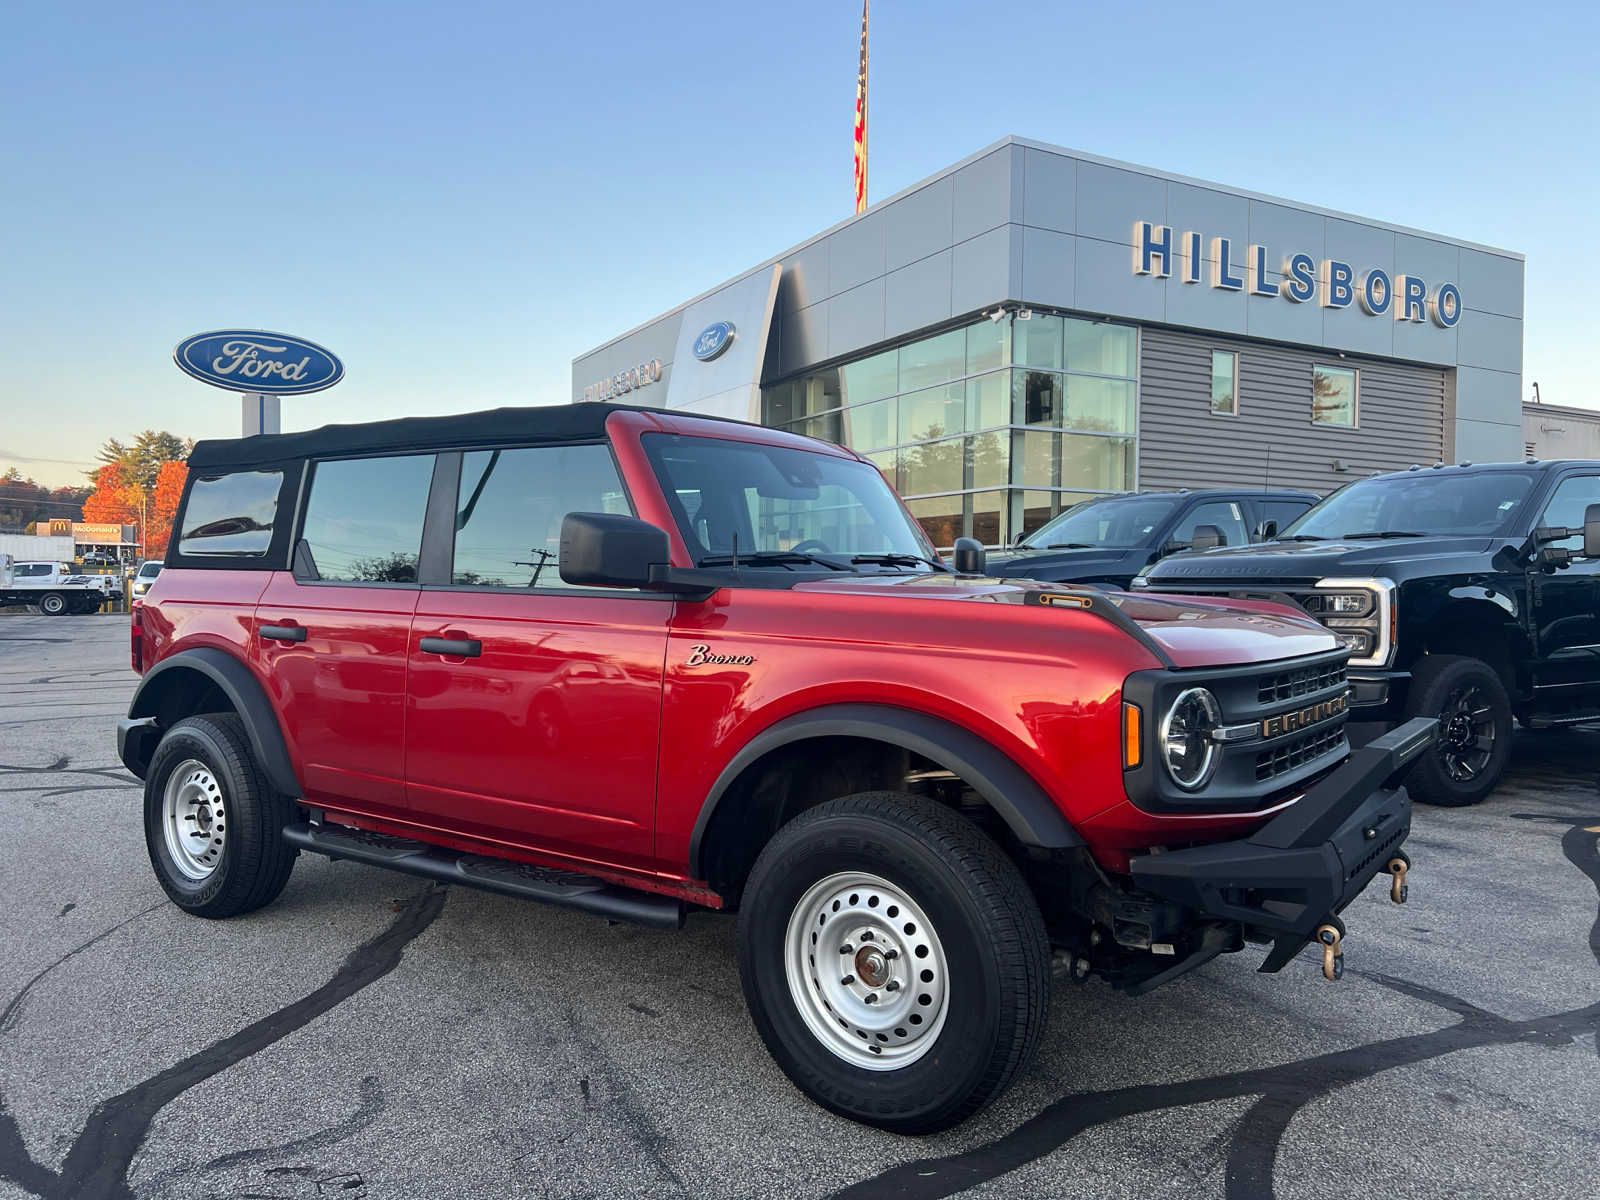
[(714, 339), (253, 360)]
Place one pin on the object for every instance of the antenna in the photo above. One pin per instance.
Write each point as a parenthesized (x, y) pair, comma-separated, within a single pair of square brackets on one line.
[(735, 555), (1266, 474)]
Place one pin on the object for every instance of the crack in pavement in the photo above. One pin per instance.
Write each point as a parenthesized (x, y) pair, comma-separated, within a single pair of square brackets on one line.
[(96, 1166), (13, 1010), (1282, 1090)]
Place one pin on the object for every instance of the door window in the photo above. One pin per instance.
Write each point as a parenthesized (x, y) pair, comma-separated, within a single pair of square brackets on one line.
[(1572, 497), (1224, 514), (1282, 511), (511, 505), (364, 518)]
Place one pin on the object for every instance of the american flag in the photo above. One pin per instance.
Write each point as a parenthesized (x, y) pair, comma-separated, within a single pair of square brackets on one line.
[(861, 117)]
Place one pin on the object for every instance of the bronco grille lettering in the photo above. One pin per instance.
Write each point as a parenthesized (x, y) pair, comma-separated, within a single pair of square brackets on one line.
[(1300, 718)]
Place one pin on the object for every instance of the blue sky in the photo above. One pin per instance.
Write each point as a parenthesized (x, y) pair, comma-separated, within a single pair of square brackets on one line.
[(459, 198)]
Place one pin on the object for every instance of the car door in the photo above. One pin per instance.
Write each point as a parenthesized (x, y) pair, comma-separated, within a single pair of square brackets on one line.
[(533, 708), (331, 636), (1566, 600)]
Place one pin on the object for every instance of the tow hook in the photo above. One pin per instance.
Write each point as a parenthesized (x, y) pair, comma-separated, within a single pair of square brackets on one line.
[(1398, 888), (1332, 939)]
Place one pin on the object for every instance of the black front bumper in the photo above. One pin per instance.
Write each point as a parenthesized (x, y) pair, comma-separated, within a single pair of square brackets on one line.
[(1303, 866)]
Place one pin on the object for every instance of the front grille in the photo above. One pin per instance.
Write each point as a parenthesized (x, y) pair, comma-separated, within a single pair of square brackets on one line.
[(1297, 752), (1302, 681)]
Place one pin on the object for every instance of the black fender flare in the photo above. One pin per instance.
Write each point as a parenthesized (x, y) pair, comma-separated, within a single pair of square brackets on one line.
[(1024, 806), (244, 693)]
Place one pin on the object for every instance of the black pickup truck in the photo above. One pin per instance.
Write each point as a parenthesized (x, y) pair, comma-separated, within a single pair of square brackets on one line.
[(1109, 540), (1468, 593)]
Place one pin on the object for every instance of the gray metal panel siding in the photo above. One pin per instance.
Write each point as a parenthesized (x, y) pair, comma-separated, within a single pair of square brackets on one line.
[(1183, 444)]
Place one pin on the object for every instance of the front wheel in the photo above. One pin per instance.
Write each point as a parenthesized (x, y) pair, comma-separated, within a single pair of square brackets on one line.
[(1474, 715), (894, 961)]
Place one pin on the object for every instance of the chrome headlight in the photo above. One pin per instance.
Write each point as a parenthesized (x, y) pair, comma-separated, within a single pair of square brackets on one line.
[(1360, 613), (1189, 738)]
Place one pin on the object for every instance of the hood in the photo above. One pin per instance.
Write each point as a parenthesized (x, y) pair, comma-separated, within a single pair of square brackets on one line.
[(1305, 562), (1063, 565), (1192, 632)]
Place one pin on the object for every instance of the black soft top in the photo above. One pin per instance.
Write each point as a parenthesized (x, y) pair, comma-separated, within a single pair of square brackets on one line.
[(583, 422)]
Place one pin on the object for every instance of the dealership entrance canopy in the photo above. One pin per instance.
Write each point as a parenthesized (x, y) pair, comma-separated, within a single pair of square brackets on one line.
[(1033, 325)]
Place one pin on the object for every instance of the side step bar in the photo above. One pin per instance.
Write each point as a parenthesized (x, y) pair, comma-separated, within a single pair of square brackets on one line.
[(1563, 720), (566, 889)]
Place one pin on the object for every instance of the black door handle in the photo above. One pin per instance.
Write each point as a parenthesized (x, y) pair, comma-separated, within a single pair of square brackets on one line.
[(284, 633), (454, 647)]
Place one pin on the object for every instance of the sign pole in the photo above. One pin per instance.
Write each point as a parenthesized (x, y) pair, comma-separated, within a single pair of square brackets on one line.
[(259, 414)]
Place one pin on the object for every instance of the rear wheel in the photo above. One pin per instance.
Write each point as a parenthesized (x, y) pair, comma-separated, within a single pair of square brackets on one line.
[(52, 604), (894, 961), (1474, 714), (213, 825)]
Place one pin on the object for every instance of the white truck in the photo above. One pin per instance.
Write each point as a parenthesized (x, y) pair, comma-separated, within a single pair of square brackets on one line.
[(57, 588)]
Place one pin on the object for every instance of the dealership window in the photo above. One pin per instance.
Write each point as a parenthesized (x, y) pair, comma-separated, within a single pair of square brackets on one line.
[(1225, 383), (1333, 396), (987, 430)]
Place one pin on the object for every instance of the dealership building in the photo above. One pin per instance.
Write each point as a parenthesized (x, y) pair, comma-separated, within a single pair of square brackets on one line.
[(1034, 325)]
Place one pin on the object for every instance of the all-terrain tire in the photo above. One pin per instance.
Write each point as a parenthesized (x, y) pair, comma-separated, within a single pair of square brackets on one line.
[(1469, 699), (53, 604), (878, 851), (212, 756)]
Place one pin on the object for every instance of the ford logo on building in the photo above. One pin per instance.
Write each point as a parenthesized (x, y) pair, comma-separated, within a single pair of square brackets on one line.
[(714, 339), (253, 360)]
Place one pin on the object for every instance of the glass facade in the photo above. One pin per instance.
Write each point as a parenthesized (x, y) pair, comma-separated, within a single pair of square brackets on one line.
[(989, 430)]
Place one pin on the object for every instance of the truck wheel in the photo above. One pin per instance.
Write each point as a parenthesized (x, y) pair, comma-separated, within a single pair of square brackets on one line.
[(213, 826), (1474, 729), (894, 961), (52, 604)]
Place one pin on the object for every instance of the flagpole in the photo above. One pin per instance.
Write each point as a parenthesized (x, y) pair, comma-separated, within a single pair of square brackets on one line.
[(861, 116)]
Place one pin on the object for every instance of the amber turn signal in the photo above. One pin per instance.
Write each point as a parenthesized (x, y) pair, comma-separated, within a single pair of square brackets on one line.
[(1132, 735)]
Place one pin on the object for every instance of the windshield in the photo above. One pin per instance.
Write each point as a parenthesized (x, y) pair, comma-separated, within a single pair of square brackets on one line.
[(150, 570), (1417, 503), (776, 499), (1116, 521)]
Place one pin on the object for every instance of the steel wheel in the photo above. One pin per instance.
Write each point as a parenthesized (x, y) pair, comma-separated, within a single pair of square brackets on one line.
[(53, 604), (194, 819), (1466, 733), (866, 971)]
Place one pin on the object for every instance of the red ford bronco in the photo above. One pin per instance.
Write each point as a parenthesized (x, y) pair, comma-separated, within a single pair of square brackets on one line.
[(639, 663)]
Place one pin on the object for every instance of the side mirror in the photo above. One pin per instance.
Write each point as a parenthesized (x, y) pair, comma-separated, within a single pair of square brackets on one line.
[(969, 556), (1269, 530), (1591, 531), (1207, 537), (1017, 541), (607, 550)]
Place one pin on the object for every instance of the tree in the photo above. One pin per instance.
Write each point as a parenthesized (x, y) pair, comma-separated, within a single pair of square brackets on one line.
[(142, 461), (163, 507), (24, 501), (115, 500)]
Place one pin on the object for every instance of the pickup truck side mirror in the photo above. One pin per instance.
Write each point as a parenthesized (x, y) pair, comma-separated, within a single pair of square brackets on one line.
[(1591, 531), (609, 550), (1269, 530), (1207, 537), (969, 556)]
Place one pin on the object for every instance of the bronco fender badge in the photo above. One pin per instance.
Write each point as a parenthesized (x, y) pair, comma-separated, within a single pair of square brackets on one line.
[(702, 656)]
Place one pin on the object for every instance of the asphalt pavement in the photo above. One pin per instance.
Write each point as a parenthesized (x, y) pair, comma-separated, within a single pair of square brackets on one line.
[(370, 1035)]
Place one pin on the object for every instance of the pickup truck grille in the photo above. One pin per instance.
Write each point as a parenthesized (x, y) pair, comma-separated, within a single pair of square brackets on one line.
[(1286, 685), (1298, 751)]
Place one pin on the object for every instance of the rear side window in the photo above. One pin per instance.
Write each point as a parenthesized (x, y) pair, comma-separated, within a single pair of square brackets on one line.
[(510, 508), (364, 518), (231, 514)]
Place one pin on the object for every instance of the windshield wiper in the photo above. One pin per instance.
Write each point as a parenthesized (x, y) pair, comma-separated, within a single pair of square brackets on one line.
[(1387, 533), (1069, 546), (1301, 537), (900, 560), (770, 558)]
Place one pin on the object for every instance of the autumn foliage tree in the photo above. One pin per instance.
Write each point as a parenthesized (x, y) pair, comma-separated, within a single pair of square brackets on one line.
[(115, 499), (163, 507)]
